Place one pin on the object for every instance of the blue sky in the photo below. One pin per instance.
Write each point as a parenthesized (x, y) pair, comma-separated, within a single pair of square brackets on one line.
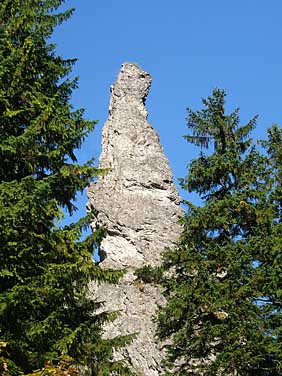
[(189, 47)]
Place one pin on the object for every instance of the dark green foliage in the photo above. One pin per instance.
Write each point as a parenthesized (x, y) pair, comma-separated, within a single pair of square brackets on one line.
[(44, 269), (150, 274), (224, 290)]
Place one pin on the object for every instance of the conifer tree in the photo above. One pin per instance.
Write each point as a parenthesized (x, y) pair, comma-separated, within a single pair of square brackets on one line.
[(44, 269), (224, 281), (268, 244)]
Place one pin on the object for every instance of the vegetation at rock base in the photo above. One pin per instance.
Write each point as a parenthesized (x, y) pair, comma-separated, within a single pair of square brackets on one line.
[(224, 310), (44, 268)]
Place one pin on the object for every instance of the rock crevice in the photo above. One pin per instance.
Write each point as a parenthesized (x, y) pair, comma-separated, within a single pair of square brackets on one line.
[(139, 205)]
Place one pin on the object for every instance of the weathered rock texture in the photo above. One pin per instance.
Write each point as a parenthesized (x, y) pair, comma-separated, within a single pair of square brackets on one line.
[(139, 205)]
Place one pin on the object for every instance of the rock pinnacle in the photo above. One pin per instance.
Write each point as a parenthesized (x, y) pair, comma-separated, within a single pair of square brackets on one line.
[(138, 204)]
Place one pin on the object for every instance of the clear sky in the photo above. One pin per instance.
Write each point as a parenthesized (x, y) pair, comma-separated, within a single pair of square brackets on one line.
[(189, 47)]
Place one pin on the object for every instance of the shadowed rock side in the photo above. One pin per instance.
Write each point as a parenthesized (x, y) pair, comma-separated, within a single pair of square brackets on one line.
[(139, 205)]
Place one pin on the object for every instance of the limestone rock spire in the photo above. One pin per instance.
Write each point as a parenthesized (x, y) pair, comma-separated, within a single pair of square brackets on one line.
[(139, 205)]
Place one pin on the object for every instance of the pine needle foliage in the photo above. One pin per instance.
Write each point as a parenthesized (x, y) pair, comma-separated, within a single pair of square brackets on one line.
[(223, 315), (45, 312)]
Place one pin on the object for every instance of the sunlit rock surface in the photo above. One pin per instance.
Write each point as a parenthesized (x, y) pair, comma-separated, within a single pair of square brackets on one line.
[(139, 205)]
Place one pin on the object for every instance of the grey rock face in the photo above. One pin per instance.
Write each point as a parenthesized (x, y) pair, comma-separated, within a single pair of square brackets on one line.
[(139, 205)]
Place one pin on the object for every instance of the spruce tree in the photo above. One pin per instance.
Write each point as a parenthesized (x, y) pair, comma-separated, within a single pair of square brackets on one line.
[(224, 281), (268, 244), (45, 269)]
